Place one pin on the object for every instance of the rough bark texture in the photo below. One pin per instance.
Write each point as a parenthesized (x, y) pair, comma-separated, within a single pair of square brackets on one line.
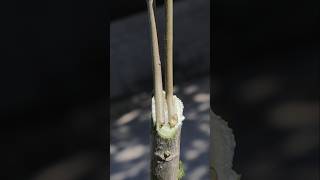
[(165, 156)]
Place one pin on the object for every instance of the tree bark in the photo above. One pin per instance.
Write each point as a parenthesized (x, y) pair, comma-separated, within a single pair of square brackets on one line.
[(165, 156)]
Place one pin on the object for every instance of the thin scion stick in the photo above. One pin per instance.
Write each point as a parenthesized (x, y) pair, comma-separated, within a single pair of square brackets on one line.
[(169, 62), (157, 75)]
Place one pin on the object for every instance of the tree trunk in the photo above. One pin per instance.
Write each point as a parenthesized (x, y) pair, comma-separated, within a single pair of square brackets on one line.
[(165, 156), (165, 146)]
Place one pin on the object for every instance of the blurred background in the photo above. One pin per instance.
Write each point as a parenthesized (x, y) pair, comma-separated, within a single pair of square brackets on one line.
[(265, 83), (53, 95)]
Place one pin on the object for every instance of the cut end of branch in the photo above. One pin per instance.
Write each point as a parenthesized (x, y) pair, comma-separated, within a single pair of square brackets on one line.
[(168, 128), (173, 120)]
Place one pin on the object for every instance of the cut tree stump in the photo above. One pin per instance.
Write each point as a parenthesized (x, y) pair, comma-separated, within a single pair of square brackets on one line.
[(165, 149)]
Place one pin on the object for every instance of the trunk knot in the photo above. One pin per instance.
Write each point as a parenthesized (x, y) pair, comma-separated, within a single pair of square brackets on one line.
[(167, 154)]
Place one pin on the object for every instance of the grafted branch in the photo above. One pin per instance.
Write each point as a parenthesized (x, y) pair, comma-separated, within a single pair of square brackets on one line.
[(157, 75), (172, 117)]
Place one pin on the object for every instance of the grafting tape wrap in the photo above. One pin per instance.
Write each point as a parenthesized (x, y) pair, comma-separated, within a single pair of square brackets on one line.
[(166, 131)]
